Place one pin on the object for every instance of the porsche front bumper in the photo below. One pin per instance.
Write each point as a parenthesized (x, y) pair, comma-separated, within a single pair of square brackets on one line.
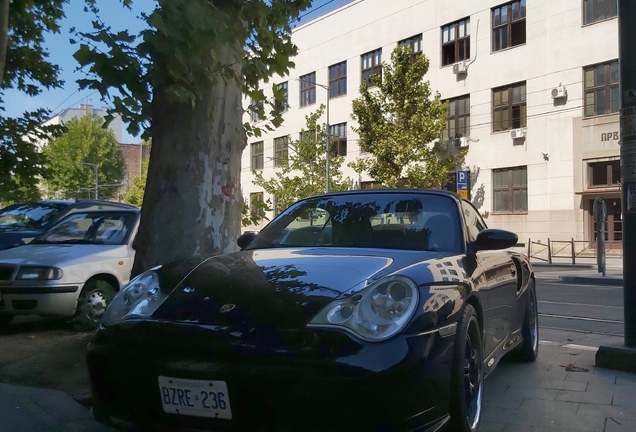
[(308, 381)]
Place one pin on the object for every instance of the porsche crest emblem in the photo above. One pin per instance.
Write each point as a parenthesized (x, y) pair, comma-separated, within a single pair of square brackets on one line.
[(227, 308)]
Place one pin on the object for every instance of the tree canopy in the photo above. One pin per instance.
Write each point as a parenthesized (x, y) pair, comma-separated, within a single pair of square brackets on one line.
[(24, 66), (73, 157), (302, 167), (400, 125)]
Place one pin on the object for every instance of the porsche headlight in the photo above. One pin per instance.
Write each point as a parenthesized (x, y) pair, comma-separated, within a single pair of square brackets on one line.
[(140, 297), (39, 273), (374, 314)]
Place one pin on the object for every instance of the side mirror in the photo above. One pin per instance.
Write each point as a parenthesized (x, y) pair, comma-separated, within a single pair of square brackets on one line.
[(245, 239), (494, 239)]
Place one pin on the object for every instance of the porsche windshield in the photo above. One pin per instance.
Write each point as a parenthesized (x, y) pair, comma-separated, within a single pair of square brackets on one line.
[(414, 221)]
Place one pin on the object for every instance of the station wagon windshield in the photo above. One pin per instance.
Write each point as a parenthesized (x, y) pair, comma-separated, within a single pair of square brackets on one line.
[(90, 228)]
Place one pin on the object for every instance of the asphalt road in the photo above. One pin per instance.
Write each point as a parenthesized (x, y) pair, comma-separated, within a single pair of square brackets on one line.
[(596, 309)]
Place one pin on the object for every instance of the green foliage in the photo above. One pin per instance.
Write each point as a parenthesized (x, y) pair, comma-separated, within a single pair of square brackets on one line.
[(178, 53), (27, 70), (302, 174), (253, 212), (399, 124), (135, 193), (85, 142)]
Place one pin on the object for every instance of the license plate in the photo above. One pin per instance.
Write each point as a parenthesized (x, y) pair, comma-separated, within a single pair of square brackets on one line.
[(195, 397)]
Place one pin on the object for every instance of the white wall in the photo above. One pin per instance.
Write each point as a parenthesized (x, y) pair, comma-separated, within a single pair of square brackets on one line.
[(557, 47)]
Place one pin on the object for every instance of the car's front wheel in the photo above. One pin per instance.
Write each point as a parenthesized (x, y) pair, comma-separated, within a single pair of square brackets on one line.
[(92, 303), (530, 331), (467, 374)]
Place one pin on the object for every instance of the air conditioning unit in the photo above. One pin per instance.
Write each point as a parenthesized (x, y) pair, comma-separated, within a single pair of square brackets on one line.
[(461, 142), (460, 68), (559, 92), (517, 133)]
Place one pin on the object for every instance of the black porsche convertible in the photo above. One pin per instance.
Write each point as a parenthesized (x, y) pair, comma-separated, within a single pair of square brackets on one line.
[(377, 310)]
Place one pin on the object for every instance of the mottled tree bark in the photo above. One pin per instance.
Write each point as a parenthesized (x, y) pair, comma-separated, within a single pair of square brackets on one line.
[(192, 203)]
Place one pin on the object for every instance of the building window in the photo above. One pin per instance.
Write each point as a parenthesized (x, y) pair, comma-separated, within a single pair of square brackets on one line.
[(604, 174), (371, 185), (257, 155), (372, 65), (338, 135), (282, 105), (281, 151), (415, 43), (277, 205), (601, 89), (253, 111), (456, 42), (509, 25), (510, 190), (256, 205), (308, 89), (458, 118), (338, 79), (308, 136), (509, 107), (599, 10)]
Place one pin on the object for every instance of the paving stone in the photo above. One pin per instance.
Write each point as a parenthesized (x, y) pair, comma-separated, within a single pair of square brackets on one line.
[(618, 413), (504, 401), (603, 398), (491, 427)]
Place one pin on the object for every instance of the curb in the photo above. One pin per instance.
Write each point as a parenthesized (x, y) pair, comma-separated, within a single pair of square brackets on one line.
[(561, 265), (612, 281)]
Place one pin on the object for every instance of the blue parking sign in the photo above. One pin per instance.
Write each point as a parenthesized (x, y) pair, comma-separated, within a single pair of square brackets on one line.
[(462, 180)]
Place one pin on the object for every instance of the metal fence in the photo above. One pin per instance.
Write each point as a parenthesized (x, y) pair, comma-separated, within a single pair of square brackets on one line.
[(569, 249)]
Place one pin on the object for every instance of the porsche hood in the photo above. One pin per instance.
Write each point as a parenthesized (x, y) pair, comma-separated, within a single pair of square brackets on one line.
[(277, 286)]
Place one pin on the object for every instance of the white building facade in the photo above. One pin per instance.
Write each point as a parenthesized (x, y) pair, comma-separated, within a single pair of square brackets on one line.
[(116, 125), (533, 92)]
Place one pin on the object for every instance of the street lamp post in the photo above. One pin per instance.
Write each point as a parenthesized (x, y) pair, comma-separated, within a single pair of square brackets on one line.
[(96, 167), (327, 132)]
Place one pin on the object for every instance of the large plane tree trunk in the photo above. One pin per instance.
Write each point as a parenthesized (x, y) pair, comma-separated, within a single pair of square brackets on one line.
[(192, 202)]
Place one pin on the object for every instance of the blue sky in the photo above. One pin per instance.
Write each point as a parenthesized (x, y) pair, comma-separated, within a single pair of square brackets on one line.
[(61, 53)]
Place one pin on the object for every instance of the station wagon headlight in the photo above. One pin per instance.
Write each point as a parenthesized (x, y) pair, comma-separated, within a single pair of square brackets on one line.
[(39, 273), (139, 298), (374, 314)]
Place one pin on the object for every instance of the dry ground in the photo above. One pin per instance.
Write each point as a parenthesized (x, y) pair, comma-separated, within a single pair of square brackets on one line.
[(45, 352)]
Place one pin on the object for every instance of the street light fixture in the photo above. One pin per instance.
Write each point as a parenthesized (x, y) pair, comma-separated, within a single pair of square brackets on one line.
[(327, 132), (96, 167)]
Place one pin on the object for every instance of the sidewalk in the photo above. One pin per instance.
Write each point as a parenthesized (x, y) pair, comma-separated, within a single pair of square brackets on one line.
[(29, 409), (585, 271), (544, 396)]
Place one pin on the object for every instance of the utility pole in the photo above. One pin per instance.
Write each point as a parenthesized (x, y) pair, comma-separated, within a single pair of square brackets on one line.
[(96, 168), (623, 356)]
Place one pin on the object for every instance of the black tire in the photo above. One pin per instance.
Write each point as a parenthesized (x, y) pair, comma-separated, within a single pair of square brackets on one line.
[(529, 349), (93, 299), (5, 319), (467, 375)]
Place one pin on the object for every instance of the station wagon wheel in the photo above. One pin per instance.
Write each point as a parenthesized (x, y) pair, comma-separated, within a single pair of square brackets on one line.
[(467, 374), (530, 330), (95, 296)]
